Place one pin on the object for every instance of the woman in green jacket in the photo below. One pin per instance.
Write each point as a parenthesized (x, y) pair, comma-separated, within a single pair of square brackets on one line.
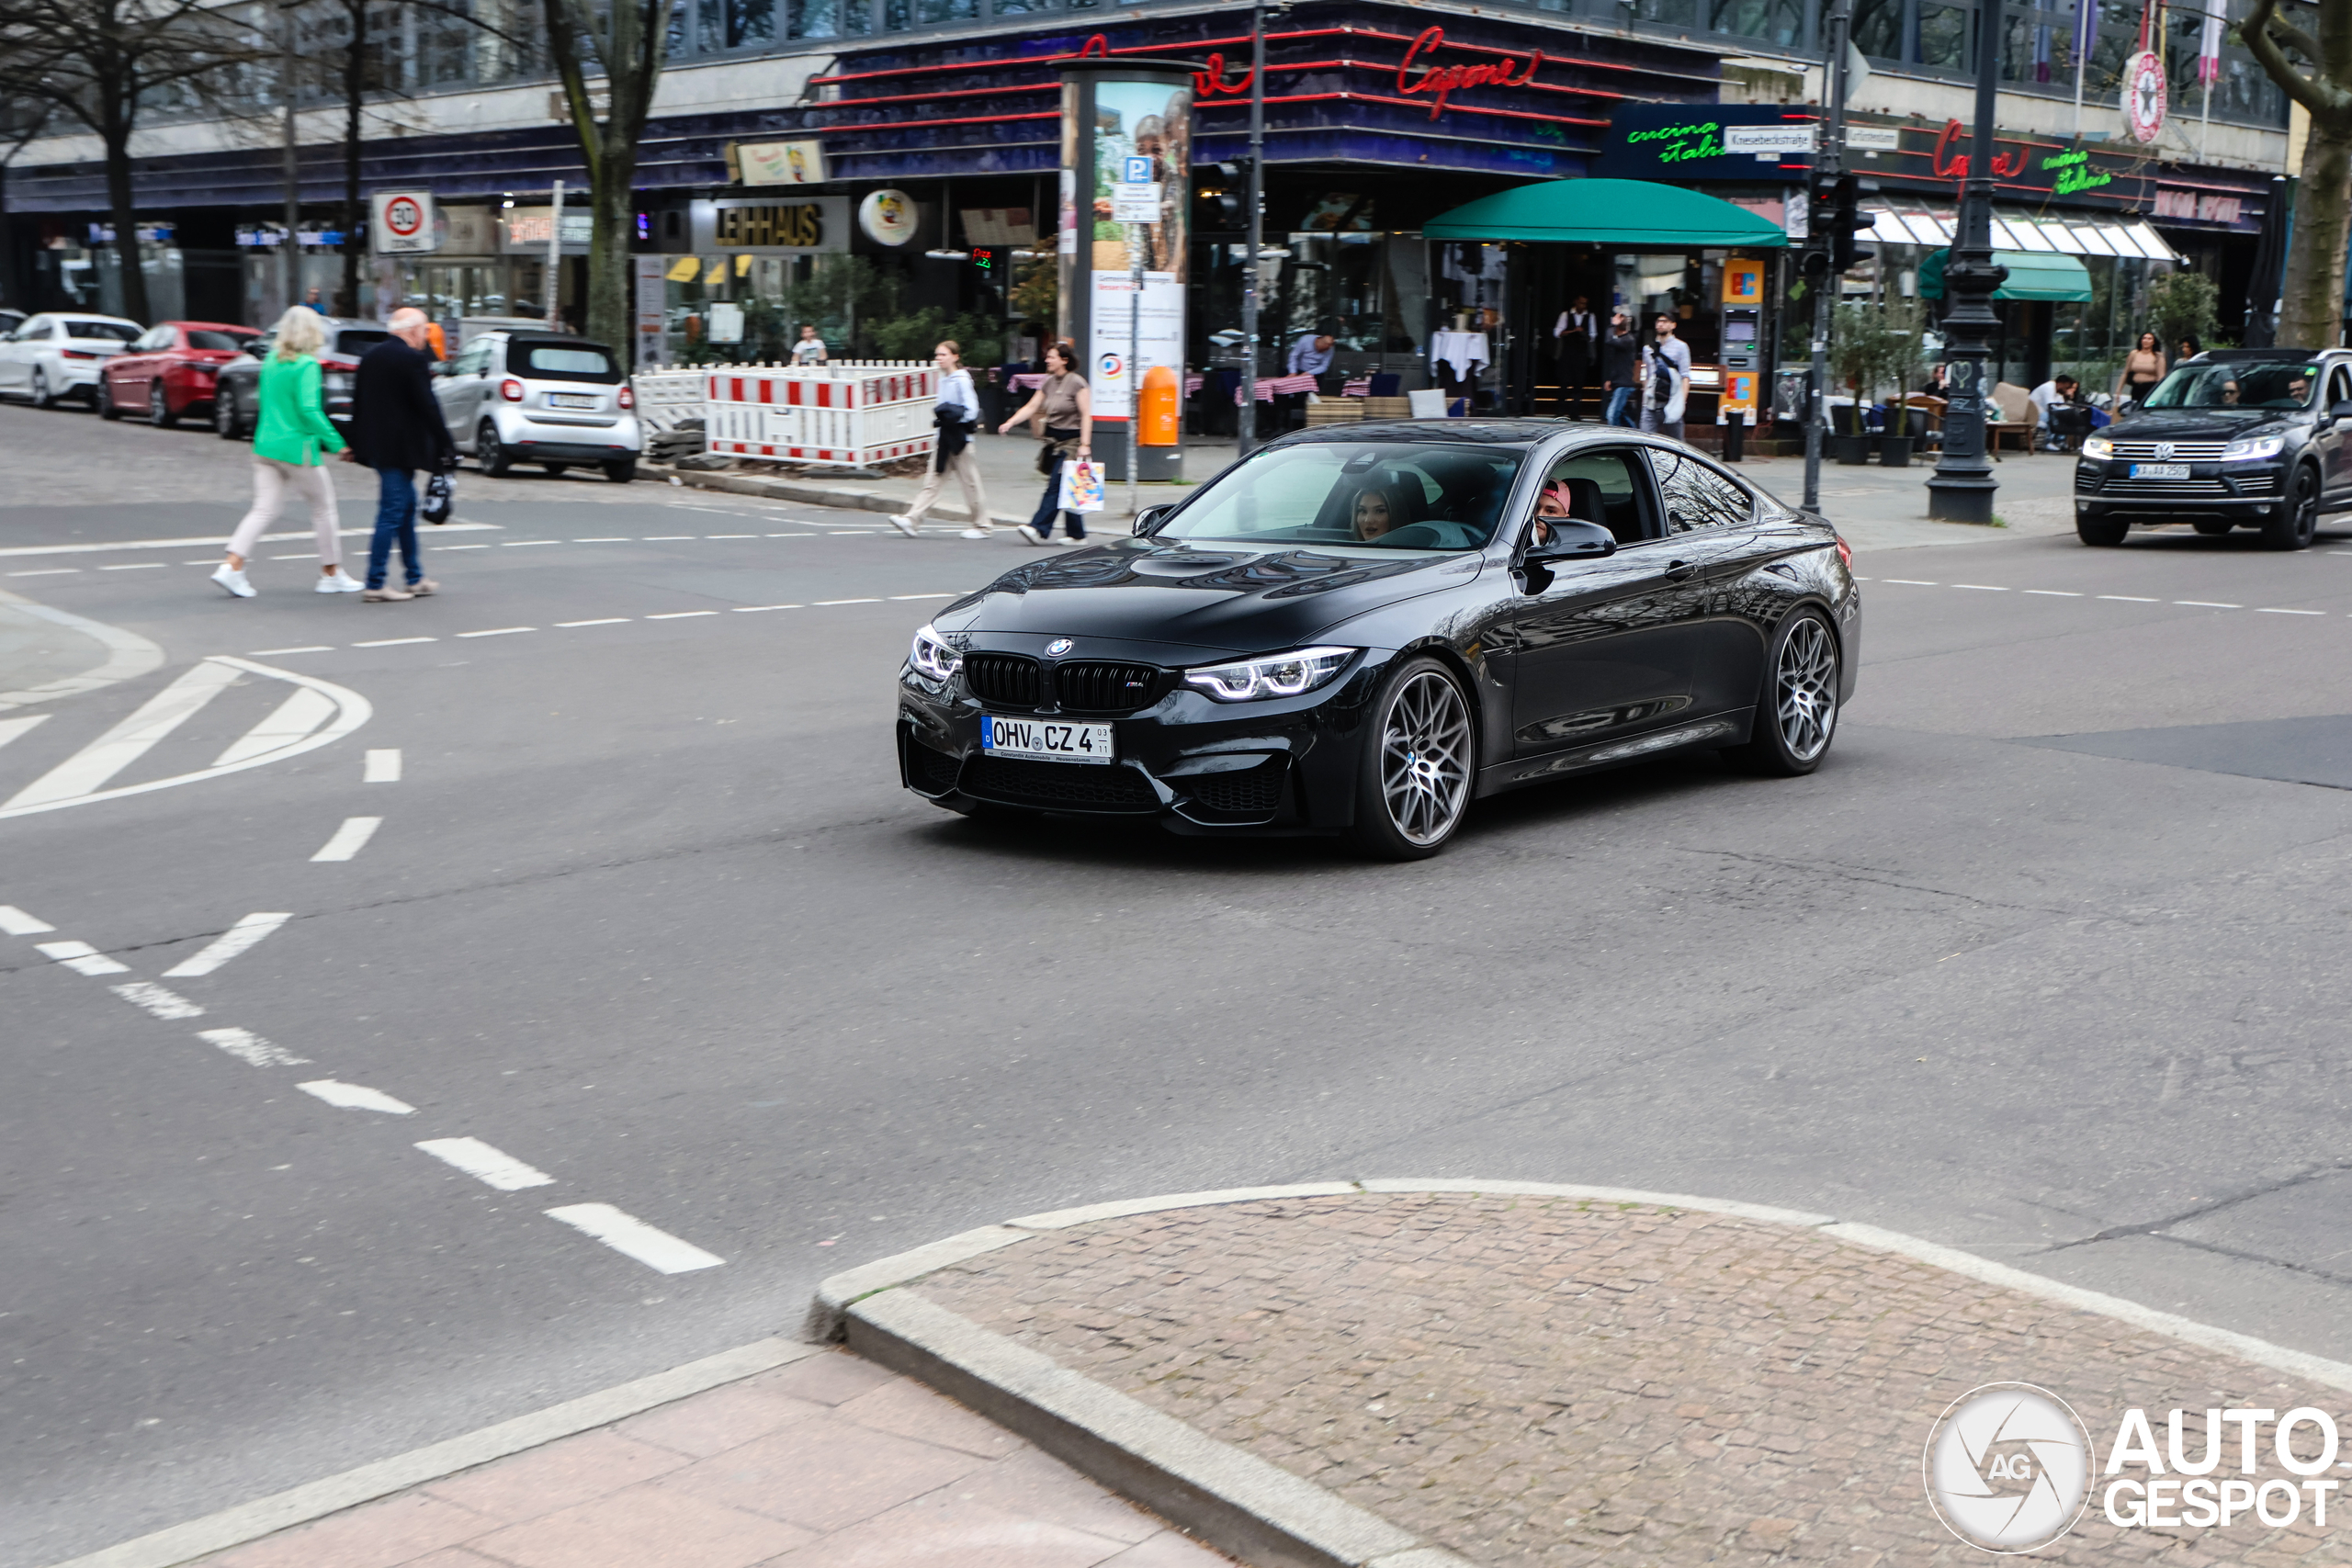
[(291, 442)]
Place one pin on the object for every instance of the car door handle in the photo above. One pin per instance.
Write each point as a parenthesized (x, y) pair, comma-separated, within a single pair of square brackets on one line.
[(1681, 571)]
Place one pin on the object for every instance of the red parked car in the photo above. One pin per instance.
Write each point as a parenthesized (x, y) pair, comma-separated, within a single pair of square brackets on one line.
[(170, 370)]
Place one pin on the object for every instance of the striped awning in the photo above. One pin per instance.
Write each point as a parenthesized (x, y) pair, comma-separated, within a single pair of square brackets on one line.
[(2074, 234)]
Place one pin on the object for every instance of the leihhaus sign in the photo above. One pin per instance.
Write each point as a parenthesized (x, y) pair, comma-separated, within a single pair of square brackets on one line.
[(808, 226)]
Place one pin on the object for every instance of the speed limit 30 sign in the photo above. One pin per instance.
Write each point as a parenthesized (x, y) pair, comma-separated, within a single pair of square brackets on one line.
[(402, 222)]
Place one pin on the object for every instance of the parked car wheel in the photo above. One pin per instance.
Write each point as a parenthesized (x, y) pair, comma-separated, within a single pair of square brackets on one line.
[(2215, 526), (159, 407), (2100, 530), (224, 414), (553, 470), (1413, 788), (107, 407), (1796, 712), (491, 456), (2293, 529), (621, 470), (43, 397)]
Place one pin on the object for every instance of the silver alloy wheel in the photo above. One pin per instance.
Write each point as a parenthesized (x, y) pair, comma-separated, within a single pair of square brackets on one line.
[(1804, 689), (1425, 758)]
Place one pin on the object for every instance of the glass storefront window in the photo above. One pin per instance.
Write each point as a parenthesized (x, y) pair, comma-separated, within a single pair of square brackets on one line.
[(1878, 29), (1332, 282), (1776, 21), (1944, 36), (1667, 13)]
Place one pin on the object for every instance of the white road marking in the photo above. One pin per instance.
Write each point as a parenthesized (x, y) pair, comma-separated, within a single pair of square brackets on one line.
[(896, 598), (15, 922), (154, 565), (680, 614), (632, 1238), (828, 604), (382, 766), (48, 571), (500, 631), (477, 1159), (296, 718), (349, 839), (2267, 611), (81, 957), (288, 537), (730, 535), (1913, 583), (2130, 599), (846, 533), (356, 1097), (664, 538), (2208, 605), (1981, 587), (605, 621), (278, 652), (524, 544), (229, 944), (754, 609), (2054, 593), (616, 539), (307, 554), (462, 546), (158, 999), (395, 641), (792, 536), (251, 1049), (12, 727), (86, 771)]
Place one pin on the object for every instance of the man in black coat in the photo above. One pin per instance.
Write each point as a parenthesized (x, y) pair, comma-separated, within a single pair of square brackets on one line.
[(396, 429)]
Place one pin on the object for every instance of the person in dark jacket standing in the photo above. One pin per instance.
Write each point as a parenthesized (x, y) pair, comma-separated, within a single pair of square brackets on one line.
[(1617, 354), (396, 429)]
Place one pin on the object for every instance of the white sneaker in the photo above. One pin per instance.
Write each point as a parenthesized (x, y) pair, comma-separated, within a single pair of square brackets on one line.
[(234, 581), (904, 524), (1031, 536), (973, 534), (340, 582)]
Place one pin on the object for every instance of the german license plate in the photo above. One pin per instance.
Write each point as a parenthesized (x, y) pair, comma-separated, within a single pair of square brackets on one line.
[(1044, 739), (2159, 470), (588, 400)]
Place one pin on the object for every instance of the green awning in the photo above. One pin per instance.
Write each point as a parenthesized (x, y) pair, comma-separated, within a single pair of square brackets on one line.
[(2033, 276), (1633, 215)]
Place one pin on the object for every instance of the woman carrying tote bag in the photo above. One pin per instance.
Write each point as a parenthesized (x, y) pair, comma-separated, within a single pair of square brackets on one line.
[(1064, 411), (291, 439), (956, 415)]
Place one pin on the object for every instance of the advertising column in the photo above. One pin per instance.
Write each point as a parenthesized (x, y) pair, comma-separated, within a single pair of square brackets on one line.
[(1114, 112)]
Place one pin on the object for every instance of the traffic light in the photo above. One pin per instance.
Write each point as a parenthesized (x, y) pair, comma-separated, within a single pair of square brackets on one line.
[(1842, 220), (1229, 202)]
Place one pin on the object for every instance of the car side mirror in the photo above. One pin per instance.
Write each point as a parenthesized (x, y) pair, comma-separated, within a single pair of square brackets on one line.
[(2341, 410), (1149, 518), (1569, 539)]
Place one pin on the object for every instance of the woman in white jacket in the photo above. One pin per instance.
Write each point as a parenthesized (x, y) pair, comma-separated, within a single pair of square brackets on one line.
[(957, 416)]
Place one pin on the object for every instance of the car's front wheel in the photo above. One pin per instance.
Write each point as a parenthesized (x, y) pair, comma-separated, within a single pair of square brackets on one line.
[(224, 414), (107, 407), (2213, 527), (1796, 716), (1413, 781), (2100, 530), (620, 470), (2293, 529), (159, 407), (490, 454)]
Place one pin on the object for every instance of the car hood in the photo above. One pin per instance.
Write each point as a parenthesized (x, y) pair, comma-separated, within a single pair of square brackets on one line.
[(1229, 600), (2197, 424)]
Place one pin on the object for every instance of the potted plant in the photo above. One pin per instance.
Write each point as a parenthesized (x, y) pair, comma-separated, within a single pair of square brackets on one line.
[(1853, 356), (1899, 360)]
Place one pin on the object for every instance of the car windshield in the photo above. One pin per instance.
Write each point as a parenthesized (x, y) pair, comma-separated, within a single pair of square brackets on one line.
[(228, 342), (104, 331), (2268, 384), (564, 361), (1380, 495)]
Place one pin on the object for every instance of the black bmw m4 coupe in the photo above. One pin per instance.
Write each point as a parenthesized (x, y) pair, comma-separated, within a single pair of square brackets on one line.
[(1360, 631)]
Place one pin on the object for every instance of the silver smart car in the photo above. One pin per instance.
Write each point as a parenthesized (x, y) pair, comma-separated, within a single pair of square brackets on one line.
[(539, 397)]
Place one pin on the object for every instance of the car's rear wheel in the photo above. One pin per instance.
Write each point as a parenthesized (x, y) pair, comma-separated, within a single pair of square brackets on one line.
[(43, 397), (107, 407), (2292, 528), (2100, 530), (490, 454), (159, 407), (1797, 714), (1413, 781), (2215, 526), (621, 470), (224, 414), (553, 470)]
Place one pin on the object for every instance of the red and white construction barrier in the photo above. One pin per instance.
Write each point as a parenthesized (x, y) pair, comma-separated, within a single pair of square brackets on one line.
[(851, 415)]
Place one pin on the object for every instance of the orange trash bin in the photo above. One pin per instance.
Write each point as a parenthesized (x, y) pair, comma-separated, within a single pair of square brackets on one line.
[(1158, 416)]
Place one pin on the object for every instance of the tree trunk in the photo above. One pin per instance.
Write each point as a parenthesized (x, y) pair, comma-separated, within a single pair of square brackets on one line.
[(355, 88), (2311, 303), (127, 259), (611, 200)]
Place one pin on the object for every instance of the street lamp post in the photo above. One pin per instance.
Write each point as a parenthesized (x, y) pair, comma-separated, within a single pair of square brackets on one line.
[(1257, 199), (1964, 486), (1830, 160)]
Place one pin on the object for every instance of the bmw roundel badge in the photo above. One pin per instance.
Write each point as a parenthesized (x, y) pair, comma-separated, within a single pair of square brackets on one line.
[(1058, 646)]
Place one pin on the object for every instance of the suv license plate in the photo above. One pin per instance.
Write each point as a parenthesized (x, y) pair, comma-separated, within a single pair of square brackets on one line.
[(2159, 470), (1051, 742), (587, 401)]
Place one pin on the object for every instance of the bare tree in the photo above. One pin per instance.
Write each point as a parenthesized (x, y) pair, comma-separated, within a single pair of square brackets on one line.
[(102, 62), (2311, 303), (627, 39)]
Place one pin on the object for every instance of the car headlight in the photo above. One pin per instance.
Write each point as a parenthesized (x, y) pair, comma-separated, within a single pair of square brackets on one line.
[(1276, 675), (2252, 447), (2097, 447), (933, 656)]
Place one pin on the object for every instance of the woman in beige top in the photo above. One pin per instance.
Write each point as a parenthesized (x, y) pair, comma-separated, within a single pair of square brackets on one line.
[(1064, 411), (2142, 369)]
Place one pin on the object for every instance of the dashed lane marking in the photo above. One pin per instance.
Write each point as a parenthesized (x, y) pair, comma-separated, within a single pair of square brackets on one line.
[(900, 598), (616, 539), (229, 944), (81, 957), (349, 839), (1913, 582), (158, 566), (2130, 599), (492, 1167), (355, 1097), (1981, 587), (49, 572), (601, 621), (280, 653), (392, 642), (2055, 592), (680, 614), (500, 631), (251, 1048), (829, 604), (755, 609), (157, 1000), (382, 766), (2267, 610), (664, 538), (632, 1238), (525, 544), (15, 922), (2208, 605)]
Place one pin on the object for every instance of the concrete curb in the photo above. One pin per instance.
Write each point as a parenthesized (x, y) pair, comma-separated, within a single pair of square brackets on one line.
[(300, 1504), (1229, 1497), (812, 494)]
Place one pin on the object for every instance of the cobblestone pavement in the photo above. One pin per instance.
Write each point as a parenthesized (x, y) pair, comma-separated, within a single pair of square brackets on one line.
[(826, 1463), (1546, 1382)]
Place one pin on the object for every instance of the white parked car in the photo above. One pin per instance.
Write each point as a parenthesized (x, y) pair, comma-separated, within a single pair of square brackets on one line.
[(540, 397), (56, 354)]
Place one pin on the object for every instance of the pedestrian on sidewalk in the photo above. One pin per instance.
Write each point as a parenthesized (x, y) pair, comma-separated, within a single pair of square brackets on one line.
[(1665, 379), (810, 349), (396, 429), (1618, 352), (2142, 369), (1063, 409), (956, 416), (291, 438)]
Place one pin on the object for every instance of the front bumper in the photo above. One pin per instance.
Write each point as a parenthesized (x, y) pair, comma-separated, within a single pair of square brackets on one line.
[(2104, 488), (1282, 765)]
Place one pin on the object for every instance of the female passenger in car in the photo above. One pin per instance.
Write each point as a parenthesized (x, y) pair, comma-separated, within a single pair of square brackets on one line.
[(1374, 515)]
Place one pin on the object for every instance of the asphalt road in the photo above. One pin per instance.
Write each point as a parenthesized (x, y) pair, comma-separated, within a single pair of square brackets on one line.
[(2043, 963)]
